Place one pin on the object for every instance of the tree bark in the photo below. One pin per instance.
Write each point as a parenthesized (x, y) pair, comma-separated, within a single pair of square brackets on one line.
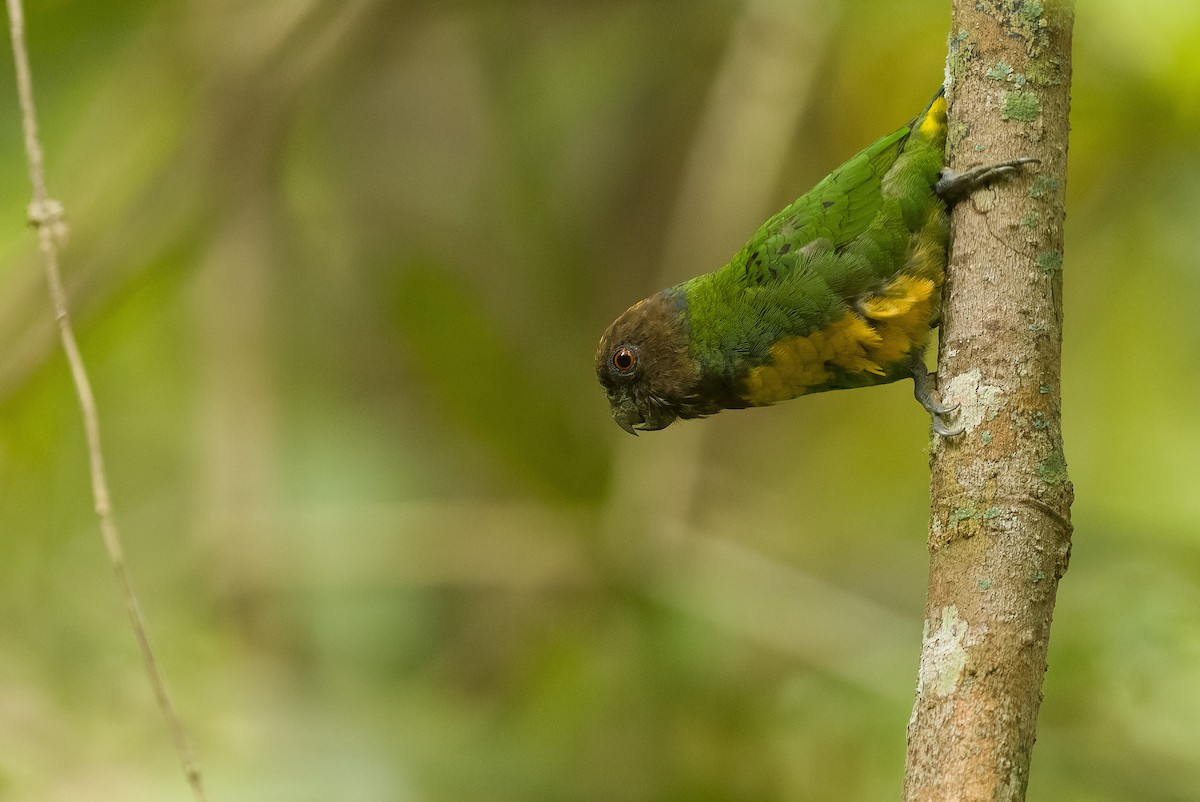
[(999, 527)]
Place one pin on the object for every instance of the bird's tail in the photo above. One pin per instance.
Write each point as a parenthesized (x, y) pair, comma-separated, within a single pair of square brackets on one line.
[(930, 125)]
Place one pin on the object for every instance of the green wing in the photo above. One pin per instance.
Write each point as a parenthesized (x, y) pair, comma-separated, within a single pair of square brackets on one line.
[(790, 278), (836, 210), (803, 267)]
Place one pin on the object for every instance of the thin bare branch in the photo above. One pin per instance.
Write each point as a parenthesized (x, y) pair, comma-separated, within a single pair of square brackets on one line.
[(999, 529), (46, 215)]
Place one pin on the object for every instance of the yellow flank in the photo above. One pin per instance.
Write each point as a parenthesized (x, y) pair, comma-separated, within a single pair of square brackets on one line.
[(879, 331), (901, 315), (801, 363), (935, 119), (886, 327)]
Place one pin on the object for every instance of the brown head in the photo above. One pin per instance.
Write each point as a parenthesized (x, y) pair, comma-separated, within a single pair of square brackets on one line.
[(645, 366)]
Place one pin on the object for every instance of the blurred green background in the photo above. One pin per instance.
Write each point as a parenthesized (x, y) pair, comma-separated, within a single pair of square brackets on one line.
[(338, 270)]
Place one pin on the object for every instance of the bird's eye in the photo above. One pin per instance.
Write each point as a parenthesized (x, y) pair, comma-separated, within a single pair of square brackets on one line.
[(624, 359)]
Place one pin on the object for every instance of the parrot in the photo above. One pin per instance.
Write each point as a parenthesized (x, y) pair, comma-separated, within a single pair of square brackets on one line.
[(840, 289)]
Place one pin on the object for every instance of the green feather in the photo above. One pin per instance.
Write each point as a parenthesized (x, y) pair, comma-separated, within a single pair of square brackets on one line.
[(805, 265)]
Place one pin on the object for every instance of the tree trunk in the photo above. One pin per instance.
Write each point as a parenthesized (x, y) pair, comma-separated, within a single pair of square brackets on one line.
[(999, 527)]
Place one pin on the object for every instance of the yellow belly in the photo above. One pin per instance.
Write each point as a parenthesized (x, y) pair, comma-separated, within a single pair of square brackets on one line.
[(882, 331)]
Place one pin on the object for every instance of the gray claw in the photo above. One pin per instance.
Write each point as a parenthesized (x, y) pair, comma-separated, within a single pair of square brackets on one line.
[(923, 392), (941, 428), (953, 187), (934, 408)]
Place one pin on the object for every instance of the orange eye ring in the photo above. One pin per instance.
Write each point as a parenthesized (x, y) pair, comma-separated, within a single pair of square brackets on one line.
[(624, 360)]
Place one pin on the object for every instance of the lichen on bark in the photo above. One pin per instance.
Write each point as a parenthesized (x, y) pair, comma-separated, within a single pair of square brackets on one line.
[(999, 534)]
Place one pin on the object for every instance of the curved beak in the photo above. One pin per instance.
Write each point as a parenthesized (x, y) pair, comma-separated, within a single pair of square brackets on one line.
[(627, 419), (627, 415)]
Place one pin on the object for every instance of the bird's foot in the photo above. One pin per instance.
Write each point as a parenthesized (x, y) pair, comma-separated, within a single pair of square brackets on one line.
[(923, 392), (953, 187)]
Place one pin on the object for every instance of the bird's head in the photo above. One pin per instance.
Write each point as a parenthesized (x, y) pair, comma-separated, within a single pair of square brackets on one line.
[(645, 366)]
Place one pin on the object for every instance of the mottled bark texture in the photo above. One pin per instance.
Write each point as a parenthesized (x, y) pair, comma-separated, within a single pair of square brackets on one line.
[(999, 528)]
